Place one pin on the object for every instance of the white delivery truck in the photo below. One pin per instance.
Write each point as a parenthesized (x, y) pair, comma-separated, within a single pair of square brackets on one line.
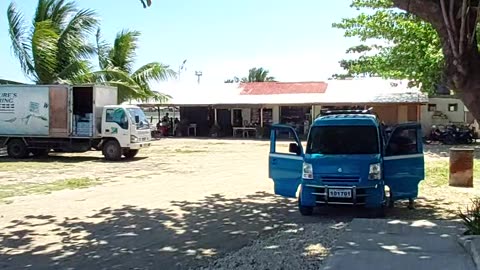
[(35, 119)]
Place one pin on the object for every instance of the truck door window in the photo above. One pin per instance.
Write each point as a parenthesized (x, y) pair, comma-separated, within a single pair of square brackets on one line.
[(283, 141), (403, 142), (117, 116)]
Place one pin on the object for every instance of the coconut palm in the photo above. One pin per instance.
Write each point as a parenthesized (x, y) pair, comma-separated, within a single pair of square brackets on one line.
[(116, 63), (146, 3), (54, 49), (258, 75)]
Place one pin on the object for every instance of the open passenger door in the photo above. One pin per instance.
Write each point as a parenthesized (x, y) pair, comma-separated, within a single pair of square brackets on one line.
[(285, 167), (404, 165)]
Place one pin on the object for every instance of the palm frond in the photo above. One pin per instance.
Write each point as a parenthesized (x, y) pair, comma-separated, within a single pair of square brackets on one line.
[(103, 49), (21, 45), (44, 51), (60, 13), (122, 54), (73, 41), (153, 71), (77, 72)]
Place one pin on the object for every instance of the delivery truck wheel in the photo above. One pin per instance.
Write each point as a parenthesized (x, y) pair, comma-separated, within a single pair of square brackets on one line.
[(17, 148), (130, 153), (112, 150)]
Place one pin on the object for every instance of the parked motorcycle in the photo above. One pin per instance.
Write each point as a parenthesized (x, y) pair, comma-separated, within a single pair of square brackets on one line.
[(451, 134)]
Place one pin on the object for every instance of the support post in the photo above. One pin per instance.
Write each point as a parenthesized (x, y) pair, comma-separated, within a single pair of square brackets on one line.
[(261, 116), (216, 122)]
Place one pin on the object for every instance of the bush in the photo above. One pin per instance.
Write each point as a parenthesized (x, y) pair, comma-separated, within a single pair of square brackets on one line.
[(471, 217)]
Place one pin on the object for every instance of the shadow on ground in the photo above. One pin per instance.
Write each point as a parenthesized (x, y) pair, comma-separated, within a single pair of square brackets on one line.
[(52, 158), (133, 237), (139, 238)]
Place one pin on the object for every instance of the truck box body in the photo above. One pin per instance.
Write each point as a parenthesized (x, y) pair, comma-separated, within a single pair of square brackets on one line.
[(57, 111)]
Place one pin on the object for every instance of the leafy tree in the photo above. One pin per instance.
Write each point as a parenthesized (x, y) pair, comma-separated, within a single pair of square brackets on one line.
[(258, 75), (234, 80), (404, 47), (456, 24), (116, 64), (55, 48)]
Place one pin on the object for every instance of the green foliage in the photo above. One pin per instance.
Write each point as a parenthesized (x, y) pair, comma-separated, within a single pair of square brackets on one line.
[(116, 63), (258, 75), (471, 217), (54, 49), (404, 47)]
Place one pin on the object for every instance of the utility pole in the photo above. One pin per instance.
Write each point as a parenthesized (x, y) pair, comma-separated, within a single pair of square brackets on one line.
[(198, 74)]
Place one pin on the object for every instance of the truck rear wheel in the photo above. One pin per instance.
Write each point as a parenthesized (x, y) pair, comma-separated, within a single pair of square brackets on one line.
[(112, 150), (17, 148), (130, 153)]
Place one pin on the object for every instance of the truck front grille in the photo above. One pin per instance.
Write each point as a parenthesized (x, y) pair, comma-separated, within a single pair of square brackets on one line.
[(337, 179)]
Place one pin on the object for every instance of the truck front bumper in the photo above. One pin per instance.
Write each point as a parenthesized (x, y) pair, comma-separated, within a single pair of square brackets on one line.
[(368, 196), (140, 145)]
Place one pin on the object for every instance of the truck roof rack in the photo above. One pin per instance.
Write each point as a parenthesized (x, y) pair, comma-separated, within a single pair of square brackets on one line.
[(332, 112)]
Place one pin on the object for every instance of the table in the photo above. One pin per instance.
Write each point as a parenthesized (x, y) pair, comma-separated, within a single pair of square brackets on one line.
[(245, 131)]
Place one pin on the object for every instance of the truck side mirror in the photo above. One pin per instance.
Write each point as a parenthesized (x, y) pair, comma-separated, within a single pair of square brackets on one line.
[(293, 148), (137, 119)]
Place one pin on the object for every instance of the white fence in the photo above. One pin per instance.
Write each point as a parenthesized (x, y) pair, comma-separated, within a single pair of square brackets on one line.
[(3, 152)]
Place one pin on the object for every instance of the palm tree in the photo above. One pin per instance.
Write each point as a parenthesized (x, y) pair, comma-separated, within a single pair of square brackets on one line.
[(55, 48), (258, 75), (116, 64)]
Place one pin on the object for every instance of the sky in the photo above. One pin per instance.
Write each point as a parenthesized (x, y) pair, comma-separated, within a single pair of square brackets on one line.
[(294, 40)]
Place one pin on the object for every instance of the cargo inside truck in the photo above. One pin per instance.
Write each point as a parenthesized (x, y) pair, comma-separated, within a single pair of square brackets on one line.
[(83, 112)]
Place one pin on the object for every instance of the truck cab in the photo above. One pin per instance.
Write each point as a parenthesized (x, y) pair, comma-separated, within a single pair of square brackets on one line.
[(127, 125), (349, 160)]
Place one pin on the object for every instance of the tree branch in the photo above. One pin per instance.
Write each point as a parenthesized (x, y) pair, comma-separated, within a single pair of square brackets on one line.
[(449, 30), (452, 17), (473, 33), (461, 45)]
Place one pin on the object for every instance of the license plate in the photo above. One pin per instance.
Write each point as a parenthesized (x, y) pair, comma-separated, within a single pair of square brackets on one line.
[(340, 193)]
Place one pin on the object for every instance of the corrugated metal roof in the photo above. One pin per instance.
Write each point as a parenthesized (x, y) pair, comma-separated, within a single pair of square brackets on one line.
[(279, 88), (361, 91)]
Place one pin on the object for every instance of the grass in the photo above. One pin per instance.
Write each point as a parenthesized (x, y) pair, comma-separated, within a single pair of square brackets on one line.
[(436, 172), (23, 189)]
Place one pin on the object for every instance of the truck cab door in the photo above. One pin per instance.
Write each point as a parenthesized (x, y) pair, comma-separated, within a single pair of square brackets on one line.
[(403, 162), (285, 166)]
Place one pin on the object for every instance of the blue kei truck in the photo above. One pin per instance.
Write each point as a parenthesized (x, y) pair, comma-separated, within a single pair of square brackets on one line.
[(349, 159)]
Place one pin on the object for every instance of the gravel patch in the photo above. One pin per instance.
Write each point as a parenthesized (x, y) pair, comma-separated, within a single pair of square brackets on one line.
[(301, 246)]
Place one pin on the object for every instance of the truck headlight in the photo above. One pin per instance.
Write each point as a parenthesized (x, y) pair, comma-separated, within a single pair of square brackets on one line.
[(375, 172), (133, 139), (307, 172)]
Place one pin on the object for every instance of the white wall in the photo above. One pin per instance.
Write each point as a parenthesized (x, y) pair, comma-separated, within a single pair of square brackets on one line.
[(442, 106)]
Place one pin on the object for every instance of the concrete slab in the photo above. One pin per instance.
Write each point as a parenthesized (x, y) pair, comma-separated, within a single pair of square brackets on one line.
[(402, 227), (367, 260), (397, 244)]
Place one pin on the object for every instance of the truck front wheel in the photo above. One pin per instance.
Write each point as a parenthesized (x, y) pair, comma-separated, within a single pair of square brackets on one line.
[(112, 150), (304, 210), (17, 148), (130, 153)]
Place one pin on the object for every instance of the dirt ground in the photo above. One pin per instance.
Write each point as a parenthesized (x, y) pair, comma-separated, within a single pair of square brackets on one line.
[(179, 205)]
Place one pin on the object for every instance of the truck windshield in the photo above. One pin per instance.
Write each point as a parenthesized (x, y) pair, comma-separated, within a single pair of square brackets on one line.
[(343, 140), (138, 116)]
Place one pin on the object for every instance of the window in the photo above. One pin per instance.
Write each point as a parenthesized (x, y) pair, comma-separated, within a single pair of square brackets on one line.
[(343, 140), (453, 107), (117, 116), (432, 107), (403, 142), (284, 137)]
